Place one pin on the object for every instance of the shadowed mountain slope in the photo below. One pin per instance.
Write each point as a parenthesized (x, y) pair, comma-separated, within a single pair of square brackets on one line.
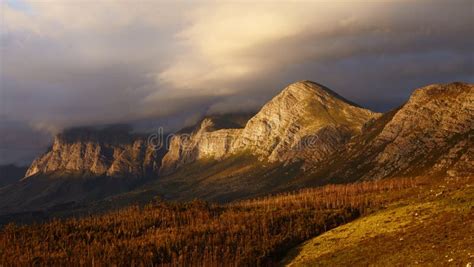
[(432, 134)]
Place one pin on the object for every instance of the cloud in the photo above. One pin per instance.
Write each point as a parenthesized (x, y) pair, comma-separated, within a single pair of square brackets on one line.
[(76, 62), (19, 143), (230, 43)]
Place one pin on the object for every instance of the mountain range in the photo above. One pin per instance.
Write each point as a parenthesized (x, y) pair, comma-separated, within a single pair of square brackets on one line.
[(307, 135)]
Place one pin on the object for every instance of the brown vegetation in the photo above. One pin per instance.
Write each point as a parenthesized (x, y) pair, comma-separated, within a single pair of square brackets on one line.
[(431, 225), (251, 232)]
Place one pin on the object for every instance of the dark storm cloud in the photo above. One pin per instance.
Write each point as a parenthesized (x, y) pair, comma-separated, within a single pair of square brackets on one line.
[(76, 63), (20, 143)]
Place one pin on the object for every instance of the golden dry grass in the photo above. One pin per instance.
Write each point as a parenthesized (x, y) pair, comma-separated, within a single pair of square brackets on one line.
[(434, 226)]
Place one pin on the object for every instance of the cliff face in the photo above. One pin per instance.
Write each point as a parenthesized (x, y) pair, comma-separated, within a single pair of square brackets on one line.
[(331, 139), (432, 133), (207, 141), (97, 153), (433, 129), (306, 121)]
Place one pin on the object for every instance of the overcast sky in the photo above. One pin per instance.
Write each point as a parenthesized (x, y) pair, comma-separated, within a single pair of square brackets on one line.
[(70, 63)]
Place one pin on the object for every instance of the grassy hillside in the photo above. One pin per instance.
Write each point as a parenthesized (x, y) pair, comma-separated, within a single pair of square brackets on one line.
[(432, 226)]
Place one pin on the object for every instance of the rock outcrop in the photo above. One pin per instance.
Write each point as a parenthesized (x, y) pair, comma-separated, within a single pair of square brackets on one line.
[(432, 133), (306, 121), (92, 152), (207, 141), (305, 136)]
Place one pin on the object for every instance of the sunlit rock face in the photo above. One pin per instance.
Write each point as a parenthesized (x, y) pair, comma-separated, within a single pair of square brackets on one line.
[(432, 133), (434, 127), (329, 140), (306, 121), (97, 153), (205, 142)]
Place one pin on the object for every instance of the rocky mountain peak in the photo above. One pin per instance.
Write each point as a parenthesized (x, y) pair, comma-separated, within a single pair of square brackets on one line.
[(432, 133), (306, 121), (296, 115), (437, 121), (308, 89), (86, 151), (207, 139), (438, 94), (332, 139), (219, 121), (207, 125)]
